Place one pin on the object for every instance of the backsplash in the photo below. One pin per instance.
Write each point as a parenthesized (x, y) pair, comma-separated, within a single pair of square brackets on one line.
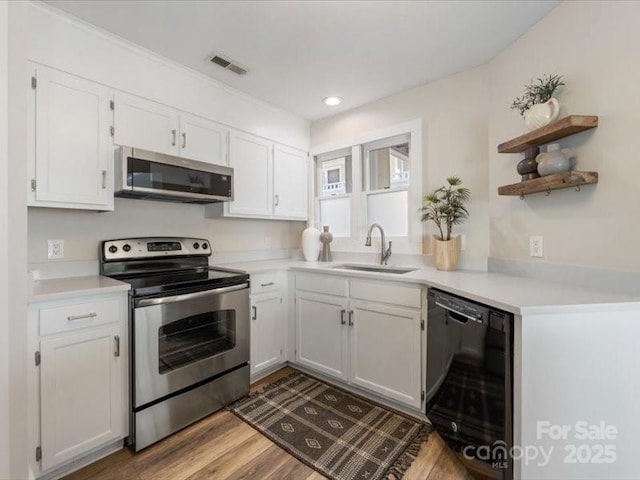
[(82, 231)]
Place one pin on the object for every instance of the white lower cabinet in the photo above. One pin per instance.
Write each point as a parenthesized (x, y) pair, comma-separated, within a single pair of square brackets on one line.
[(373, 345), (79, 384), (267, 334), (385, 351), (268, 321), (81, 393), (321, 342)]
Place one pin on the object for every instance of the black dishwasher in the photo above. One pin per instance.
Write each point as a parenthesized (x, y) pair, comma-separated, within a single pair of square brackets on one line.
[(469, 382)]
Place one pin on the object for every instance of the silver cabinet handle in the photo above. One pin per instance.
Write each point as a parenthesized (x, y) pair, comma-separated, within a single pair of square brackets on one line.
[(173, 137), (255, 313), (267, 284), (342, 320), (80, 317), (148, 302), (117, 351), (104, 179), (351, 318), (277, 200), (184, 139)]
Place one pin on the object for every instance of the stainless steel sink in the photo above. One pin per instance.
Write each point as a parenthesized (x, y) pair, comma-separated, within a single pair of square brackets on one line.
[(375, 268)]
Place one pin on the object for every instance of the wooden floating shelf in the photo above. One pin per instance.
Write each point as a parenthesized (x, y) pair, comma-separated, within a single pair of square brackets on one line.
[(551, 182), (560, 129)]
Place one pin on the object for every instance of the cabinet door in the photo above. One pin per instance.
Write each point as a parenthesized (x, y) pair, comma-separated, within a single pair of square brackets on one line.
[(80, 393), (267, 332), (321, 333), (290, 183), (144, 124), (250, 158), (385, 351), (73, 148), (203, 140)]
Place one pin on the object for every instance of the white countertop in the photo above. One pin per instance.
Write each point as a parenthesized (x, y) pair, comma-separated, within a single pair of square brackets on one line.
[(70, 287), (519, 295)]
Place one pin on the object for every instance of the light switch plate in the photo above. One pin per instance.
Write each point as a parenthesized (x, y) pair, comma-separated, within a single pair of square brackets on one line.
[(536, 246), (55, 249)]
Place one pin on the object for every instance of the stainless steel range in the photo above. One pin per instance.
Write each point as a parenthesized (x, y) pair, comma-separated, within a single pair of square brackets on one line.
[(188, 332)]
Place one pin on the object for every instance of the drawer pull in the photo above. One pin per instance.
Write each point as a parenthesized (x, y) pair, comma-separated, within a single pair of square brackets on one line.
[(117, 351), (255, 313), (351, 318), (267, 284), (342, 320), (80, 317)]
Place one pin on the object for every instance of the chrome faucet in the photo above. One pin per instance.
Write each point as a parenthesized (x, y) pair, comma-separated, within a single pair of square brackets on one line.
[(384, 254)]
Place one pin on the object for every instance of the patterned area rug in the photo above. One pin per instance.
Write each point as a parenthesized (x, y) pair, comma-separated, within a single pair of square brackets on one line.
[(342, 436)]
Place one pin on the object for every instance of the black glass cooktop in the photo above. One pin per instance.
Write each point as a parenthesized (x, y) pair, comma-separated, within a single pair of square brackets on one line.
[(179, 281)]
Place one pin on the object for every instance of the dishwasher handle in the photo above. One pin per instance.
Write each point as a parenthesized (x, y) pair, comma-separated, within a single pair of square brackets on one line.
[(458, 314)]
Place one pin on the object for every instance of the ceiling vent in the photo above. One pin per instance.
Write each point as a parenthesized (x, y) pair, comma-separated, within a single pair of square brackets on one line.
[(228, 64)]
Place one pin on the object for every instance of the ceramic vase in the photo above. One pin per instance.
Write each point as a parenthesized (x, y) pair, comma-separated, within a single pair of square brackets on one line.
[(326, 237), (311, 244), (554, 160), (446, 253), (542, 114)]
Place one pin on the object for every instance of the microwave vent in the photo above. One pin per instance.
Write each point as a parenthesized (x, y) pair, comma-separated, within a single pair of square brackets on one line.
[(228, 64)]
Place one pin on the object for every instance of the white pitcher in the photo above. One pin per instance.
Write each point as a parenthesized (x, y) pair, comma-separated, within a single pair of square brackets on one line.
[(542, 114)]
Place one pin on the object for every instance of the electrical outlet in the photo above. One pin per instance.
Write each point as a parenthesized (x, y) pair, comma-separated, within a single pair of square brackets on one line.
[(463, 242), (267, 241), (536, 246), (55, 249)]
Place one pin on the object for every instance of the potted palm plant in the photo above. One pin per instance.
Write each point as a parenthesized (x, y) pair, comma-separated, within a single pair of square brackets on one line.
[(445, 207)]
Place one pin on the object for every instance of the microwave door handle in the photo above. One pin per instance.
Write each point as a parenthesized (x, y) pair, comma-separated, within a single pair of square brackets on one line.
[(147, 302)]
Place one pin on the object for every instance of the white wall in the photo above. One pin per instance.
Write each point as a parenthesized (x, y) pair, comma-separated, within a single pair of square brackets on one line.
[(82, 231), (4, 252), (454, 137), (595, 46), (58, 41), (13, 237)]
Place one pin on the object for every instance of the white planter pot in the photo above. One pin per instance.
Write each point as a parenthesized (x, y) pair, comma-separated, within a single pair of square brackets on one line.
[(542, 114)]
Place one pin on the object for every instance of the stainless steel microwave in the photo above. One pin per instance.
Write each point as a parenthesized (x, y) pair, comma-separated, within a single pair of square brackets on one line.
[(156, 176)]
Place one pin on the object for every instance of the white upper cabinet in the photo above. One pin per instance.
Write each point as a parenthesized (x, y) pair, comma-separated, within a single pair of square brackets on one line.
[(144, 124), (251, 159), (148, 125), (270, 180), (72, 160), (290, 183), (203, 140)]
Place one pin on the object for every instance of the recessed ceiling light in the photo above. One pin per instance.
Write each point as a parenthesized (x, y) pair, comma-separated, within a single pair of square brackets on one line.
[(332, 101)]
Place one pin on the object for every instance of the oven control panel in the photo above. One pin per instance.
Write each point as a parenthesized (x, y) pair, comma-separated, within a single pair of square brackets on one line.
[(146, 247)]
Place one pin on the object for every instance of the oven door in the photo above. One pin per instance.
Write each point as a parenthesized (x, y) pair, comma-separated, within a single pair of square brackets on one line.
[(181, 340)]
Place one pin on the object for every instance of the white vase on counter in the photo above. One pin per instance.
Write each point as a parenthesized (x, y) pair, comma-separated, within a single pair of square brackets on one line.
[(542, 114), (311, 244)]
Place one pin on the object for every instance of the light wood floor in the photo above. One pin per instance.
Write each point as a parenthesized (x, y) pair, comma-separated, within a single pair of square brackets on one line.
[(222, 447)]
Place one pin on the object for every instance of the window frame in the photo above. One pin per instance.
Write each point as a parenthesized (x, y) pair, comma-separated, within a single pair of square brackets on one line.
[(410, 244)]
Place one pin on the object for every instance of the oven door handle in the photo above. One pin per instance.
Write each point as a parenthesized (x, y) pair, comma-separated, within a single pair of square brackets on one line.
[(147, 302)]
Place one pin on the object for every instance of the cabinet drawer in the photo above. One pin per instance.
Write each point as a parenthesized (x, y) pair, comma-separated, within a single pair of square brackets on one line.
[(265, 282), (382, 292), (327, 284), (79, 315)]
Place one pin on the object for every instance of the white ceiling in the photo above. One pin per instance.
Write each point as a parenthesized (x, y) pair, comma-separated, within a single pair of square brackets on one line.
[(299, 52)]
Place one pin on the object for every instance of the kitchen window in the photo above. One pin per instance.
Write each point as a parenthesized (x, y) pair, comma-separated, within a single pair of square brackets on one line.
[(386, 182), (375, 179), (333, 172)]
